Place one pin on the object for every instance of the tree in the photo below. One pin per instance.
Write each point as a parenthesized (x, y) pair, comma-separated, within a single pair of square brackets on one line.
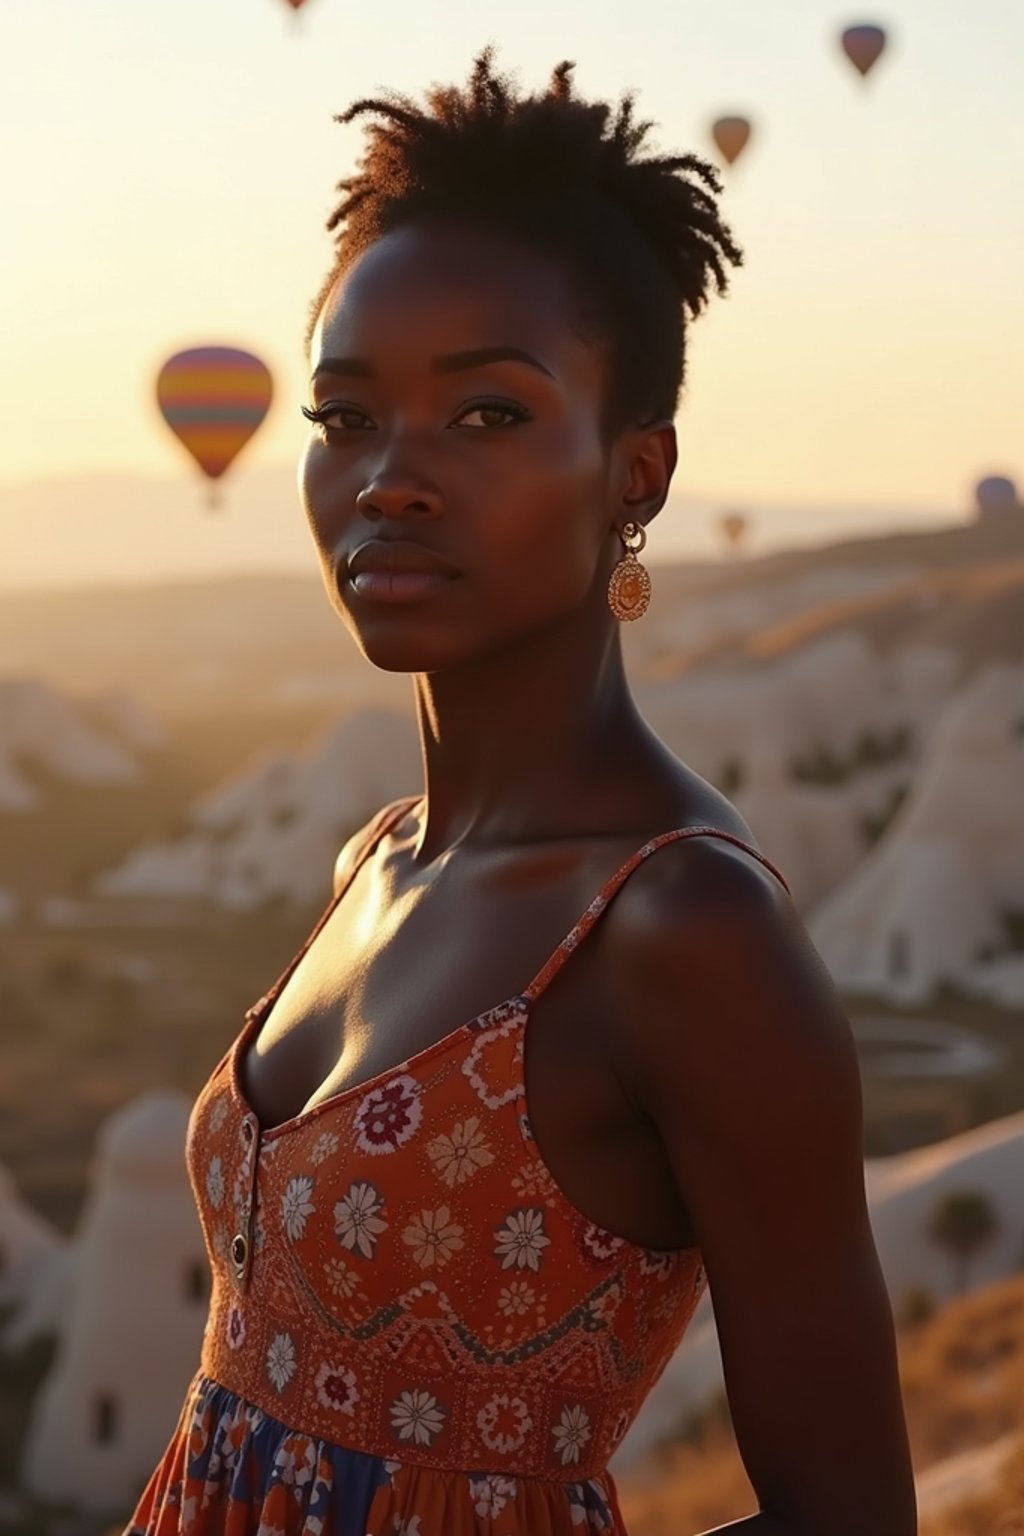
[(962, 1221), (917, 1306)]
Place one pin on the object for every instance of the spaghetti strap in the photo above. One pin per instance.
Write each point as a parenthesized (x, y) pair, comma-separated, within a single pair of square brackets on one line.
[(375, 829), (580, 929)]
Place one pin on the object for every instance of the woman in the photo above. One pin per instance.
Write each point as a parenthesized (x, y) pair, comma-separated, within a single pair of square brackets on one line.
[(448, 1268)]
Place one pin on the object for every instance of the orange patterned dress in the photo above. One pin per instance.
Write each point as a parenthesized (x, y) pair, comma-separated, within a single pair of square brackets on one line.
[(412, 1331)]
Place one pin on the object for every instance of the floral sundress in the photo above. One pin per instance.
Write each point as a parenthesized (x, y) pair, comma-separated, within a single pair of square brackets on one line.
[(412, 1330)]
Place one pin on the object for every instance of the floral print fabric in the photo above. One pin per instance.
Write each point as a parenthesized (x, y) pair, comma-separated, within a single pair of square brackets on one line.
[(238, 1470), (412, 1331)]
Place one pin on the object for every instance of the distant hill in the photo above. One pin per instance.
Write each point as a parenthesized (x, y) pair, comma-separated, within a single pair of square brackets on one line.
[(229, 644), (96, 741), (808, 684), (940, 895), (193, 648), (118, 526), (275, 830)]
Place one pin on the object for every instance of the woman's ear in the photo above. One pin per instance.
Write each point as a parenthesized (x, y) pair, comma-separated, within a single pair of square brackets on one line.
[(649, 456)]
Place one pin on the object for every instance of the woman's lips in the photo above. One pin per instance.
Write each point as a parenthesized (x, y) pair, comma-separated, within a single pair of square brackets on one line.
[(399, 586), (397, 571)]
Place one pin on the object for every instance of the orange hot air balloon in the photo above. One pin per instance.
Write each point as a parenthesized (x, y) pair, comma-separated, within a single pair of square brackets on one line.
[(213, 399), (863, 46), (730, 135), (734, 525)]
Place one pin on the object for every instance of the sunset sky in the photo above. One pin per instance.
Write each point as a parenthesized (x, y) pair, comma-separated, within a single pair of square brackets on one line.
[(169, 168)]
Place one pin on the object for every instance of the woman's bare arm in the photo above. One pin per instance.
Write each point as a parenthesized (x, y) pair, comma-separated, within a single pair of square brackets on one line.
[(742, 1056)]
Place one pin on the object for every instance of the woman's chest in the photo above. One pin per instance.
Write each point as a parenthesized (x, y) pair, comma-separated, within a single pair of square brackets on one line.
[(400, 978), (395, 971)]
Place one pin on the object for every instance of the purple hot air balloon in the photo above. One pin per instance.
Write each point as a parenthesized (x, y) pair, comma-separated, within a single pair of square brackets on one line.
[(863, 46), (995, 496)]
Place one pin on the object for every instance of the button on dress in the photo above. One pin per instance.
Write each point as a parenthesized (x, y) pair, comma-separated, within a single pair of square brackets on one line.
[(412, 1330)]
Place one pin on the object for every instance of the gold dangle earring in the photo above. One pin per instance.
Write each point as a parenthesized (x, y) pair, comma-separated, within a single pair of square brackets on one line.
[(629, 588)]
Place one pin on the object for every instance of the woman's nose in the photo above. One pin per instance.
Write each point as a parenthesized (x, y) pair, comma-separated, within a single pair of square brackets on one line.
[(394, 492)]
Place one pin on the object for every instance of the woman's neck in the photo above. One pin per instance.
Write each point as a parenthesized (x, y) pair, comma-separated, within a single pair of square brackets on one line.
[(532, 743)]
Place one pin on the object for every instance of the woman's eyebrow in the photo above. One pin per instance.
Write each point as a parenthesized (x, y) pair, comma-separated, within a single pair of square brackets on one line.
[(448, 362), (454, 362)]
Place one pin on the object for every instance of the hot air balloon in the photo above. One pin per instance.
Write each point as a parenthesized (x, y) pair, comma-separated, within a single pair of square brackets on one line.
[(995, 496), (863, 46), (213, 399), (730, 135), (734, 525)]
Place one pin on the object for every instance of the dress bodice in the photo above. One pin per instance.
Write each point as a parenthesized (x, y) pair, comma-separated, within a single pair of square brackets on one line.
[(396, 1270)]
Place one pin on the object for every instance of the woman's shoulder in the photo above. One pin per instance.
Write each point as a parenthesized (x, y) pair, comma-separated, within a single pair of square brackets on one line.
[(364, 835), (724, 996), (705, 856), (700, 885), (700, 912)]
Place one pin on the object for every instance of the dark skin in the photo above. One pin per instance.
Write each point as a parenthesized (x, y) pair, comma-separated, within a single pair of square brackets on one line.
[(690, 1072)]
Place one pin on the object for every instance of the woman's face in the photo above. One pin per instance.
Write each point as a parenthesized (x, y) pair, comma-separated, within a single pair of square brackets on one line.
[(494, 463)]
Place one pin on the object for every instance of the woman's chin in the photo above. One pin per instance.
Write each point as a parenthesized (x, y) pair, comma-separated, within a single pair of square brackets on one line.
[(396, 652)]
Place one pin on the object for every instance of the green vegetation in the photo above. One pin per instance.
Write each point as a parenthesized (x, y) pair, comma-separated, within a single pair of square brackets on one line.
[(871, 749), (713, 1414), (822, 766), (962, 1222), (916, 1306), (731, 776), (1014, 924)]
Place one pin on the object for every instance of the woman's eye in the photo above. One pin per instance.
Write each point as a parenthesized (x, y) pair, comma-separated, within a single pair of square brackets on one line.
[(337, 420), (348, 416), (489, 409)]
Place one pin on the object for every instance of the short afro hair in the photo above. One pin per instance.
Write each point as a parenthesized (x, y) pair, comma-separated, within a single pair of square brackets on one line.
[(639, 237)]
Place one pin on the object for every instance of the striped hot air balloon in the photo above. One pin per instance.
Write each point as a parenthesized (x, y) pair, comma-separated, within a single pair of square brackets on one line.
[(213, 399)]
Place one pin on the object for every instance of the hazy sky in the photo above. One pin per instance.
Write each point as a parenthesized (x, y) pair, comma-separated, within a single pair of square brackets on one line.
[(169, 165)]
